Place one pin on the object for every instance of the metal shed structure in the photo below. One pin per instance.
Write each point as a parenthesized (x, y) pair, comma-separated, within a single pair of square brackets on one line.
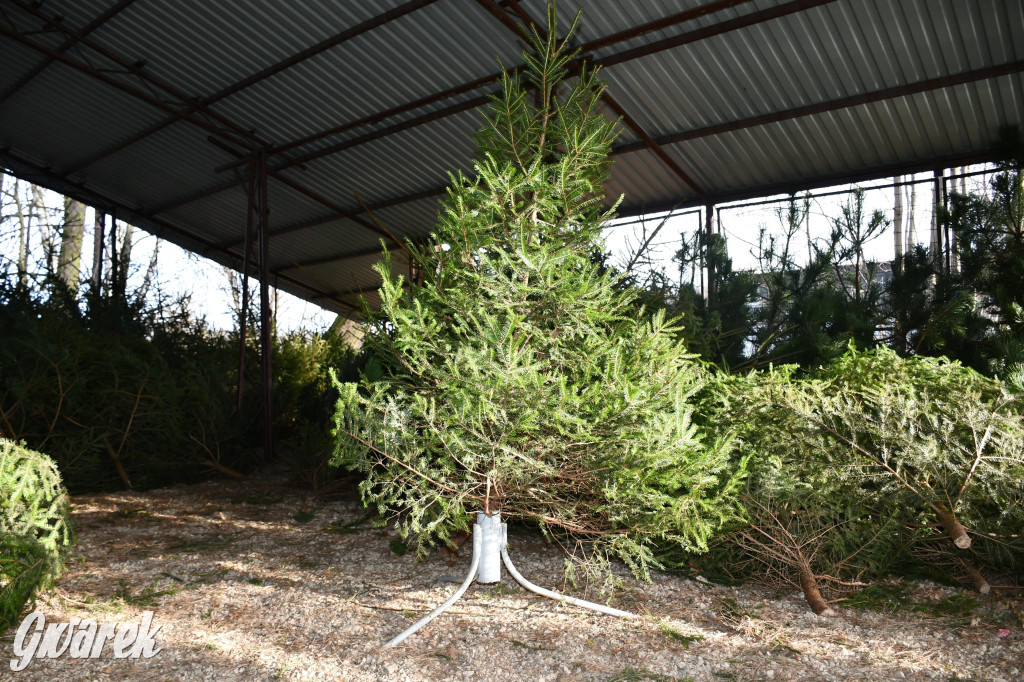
[(303, 127)]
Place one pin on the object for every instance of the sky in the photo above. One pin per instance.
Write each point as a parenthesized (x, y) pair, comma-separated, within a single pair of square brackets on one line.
[(207, 284)]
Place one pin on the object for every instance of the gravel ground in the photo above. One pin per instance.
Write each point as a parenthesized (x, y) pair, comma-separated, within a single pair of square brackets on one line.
[(252, 581)]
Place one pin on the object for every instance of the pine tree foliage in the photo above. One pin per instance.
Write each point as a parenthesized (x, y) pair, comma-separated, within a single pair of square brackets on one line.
[(872, 465), (807, 520), (518, 377), (35, 527), (927, 436)]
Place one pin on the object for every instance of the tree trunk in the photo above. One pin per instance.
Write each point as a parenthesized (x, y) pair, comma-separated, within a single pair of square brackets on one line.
[(150, 277), (809, 584), (69, 263), (97, 251), (124, 258), (975, 576), (24, 236), (953, 527)]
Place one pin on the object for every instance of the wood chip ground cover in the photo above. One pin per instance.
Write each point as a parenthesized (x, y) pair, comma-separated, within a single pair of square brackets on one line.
[(254, 581)]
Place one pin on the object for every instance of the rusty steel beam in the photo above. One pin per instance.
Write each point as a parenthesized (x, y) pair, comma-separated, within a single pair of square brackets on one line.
[(423, 119), (323, 260), (808, 110), (691, 36), (490, 79), (298, 58), (882, 172), (659, 24), (511, 24), (91, 27), (727, 26), (653, 146), (333, 149), (243, 314), (359, 291), (137, 70), (832, 105), (266, 337), (105, 77), (313, 222), (618, 58), (338, 211)]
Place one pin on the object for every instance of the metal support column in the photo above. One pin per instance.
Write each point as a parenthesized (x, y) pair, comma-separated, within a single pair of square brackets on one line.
[(243, 313), (946, 242), (935, 245), (709, 231), (897, 217), (265, 322)]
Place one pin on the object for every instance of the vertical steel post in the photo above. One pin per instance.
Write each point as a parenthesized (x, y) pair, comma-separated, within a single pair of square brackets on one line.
[(243, 313), (947, 246), (936, 240), (897, 217), (265, 322), (113, 253), (709, 230)]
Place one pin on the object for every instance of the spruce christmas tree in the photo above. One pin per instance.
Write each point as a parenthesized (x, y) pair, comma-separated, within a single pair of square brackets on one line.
[(516, 377)]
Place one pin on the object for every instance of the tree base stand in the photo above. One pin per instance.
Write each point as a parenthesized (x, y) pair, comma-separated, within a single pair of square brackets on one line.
[(489, 551)]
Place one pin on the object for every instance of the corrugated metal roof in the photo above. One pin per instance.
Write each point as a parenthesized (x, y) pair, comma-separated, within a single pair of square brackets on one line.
[(156, 109)]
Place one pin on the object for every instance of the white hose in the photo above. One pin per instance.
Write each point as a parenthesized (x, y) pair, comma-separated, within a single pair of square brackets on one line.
[(451, 600), (561, 597)]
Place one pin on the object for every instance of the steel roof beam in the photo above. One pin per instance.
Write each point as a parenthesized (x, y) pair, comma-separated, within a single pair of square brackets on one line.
[(91, 27), (691, 36), (659, 24), (797, 112), (245, 137), (832, 105), (298, 58), (654, 146), (333, 149), (831, 180), (313, 222), (676, 41), (218, 134), (323, 260), (490, 79)]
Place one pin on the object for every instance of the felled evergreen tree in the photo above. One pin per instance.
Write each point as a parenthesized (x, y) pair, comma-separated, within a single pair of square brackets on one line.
[(517, 377), (35, 527)]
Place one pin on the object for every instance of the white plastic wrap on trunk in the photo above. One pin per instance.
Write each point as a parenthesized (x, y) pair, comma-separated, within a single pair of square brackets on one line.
[(492, 539)]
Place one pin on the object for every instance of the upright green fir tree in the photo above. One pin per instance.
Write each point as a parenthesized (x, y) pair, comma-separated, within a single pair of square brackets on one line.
[(517, 377)]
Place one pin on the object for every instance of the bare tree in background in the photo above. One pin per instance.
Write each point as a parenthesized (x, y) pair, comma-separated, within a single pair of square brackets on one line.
[(24, 207), (69, 262)]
